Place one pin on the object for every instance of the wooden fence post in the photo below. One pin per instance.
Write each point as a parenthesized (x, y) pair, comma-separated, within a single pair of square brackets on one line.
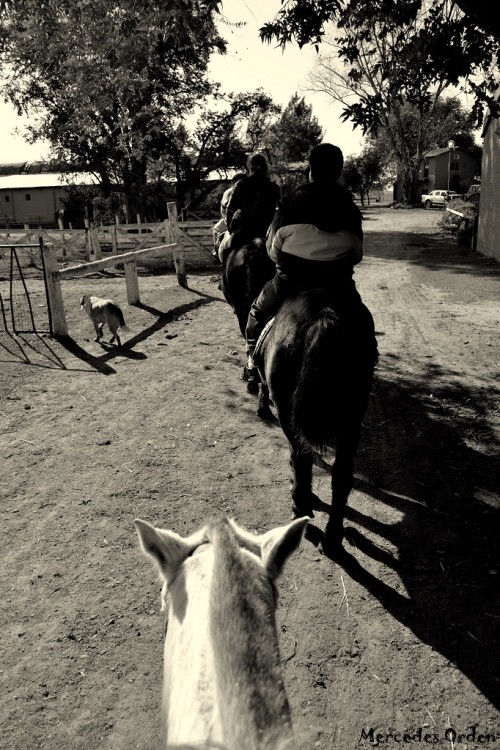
[(178, 250), (96, 244), (132, 282), (54, 293), (114, 240), (88, 245)]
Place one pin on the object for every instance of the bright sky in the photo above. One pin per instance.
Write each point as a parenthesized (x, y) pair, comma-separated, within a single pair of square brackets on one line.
[(248, 65)]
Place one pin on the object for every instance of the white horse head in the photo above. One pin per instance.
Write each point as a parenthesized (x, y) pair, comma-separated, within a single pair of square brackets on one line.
[(222, 675)]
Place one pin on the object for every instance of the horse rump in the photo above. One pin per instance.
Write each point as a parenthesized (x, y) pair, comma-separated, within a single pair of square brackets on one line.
[(334, 372), (317, 366), (246, 269)]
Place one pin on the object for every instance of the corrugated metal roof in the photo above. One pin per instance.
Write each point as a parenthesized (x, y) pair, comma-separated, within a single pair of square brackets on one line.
[(46, 179), (15, 168), (32, 167)]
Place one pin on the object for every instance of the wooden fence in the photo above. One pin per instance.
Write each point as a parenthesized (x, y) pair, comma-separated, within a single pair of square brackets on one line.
[(54, 275), (91, 244)]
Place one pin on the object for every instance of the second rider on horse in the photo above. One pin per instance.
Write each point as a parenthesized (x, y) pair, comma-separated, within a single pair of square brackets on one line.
[(315, 240)]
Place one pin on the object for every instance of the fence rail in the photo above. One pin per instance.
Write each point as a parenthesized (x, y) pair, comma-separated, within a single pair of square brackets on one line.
[(95, 242), (55, 275)]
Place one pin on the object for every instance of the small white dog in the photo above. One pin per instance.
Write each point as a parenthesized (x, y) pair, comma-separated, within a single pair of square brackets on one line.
[(104, 311)]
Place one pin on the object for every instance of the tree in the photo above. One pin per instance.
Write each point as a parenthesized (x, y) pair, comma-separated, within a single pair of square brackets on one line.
[(109, 81), (442, 42), (362, 173), (406, 127), (351, 176), (224, 134), (292, 136), (449, 120)]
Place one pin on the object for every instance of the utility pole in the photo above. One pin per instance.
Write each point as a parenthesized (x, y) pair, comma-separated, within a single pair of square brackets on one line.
[(451, 147)]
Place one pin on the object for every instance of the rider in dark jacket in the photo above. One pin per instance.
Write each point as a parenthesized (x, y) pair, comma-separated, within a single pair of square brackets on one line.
[(315, 240), (256, 195)]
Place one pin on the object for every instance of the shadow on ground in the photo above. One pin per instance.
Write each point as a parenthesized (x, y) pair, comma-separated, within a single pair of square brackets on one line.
[(435, 461)]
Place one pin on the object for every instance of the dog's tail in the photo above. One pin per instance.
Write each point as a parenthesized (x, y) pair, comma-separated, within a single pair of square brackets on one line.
[(121, 321)]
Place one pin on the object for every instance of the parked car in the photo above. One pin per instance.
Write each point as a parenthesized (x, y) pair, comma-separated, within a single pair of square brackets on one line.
[(439, 198)]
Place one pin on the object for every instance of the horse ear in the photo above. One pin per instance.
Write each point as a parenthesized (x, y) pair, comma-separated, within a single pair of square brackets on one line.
[(278, 544), (166, 548)]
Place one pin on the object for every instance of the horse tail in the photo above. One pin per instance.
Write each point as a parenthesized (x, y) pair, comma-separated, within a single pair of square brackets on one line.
[(319, 384)]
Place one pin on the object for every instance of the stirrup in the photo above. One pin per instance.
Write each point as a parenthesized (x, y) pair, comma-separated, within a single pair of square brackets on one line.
[(250, 374)]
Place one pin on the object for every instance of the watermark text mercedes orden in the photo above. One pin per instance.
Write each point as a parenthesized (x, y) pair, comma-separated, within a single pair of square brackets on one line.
[(429, 736)]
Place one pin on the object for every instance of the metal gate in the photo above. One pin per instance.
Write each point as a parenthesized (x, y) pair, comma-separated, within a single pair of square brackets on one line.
[(24, 303)]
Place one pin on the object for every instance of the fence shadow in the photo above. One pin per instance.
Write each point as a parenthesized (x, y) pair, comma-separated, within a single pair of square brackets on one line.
[(30, 349), (128, 347)]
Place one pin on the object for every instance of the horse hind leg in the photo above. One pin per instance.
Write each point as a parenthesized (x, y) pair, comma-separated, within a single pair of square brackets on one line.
[(115, 336), (303, 498), (342, 482), (263, 408)]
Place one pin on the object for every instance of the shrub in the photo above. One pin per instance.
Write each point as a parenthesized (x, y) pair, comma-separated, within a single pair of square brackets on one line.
[(458, 226)]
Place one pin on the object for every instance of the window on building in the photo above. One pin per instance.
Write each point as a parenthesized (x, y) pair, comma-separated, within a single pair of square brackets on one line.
[(7, 198), (28, 196), (454, 167)]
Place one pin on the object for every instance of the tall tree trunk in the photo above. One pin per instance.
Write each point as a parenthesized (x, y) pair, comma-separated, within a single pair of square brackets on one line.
[(134, 184)]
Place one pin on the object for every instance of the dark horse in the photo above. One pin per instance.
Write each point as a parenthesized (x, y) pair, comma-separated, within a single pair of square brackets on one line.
[(246, 268), (316, 364)]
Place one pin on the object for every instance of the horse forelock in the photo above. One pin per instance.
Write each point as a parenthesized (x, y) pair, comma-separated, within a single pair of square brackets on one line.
[(222, 636), (244, 640)]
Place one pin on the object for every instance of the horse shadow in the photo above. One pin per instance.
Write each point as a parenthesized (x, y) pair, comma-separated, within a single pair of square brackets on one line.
[(427, 452)]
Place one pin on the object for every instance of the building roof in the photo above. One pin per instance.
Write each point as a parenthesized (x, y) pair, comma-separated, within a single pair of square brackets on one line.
[(439, 151), (32, 167), (41, 174), (47, 179)]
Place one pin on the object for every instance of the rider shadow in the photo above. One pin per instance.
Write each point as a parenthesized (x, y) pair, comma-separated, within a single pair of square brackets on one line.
[(425, 462)]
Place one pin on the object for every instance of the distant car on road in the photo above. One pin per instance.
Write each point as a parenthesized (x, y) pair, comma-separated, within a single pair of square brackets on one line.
[(439, 198)]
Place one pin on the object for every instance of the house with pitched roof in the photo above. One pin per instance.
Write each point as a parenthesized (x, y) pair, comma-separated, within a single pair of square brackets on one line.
[(450, 168)]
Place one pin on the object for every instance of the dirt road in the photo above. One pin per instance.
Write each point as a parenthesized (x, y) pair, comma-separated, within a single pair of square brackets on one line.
[(400, 639)]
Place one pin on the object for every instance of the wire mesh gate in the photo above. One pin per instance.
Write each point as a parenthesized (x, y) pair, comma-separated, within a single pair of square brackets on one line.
[(24, 303)]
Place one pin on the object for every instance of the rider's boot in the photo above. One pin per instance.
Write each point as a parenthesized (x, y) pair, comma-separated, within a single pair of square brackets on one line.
[(250, 373)]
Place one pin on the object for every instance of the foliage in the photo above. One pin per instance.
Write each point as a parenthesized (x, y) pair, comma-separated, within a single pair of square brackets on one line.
[(228, 128), (427, 44), (292, 136), (224, 133), (107, 84), (362, 173), (406, 128), (459, 227), (405, 137)]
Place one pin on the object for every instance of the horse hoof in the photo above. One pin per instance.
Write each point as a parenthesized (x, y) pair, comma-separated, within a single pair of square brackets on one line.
[(331, 547), (253, 386), (331, 544), (265, 413)]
